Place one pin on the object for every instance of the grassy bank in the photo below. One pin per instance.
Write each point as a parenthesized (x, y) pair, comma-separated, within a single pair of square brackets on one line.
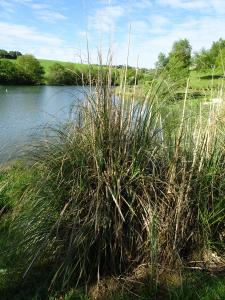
[(114, 200), (201, 82), (47, 64)]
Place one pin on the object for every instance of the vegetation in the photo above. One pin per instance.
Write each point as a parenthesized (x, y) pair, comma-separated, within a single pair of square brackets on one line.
[(31, 68), (210, 58), (9, 54), (177, 65), (132, 183), (27, 70), (137, 184), (60, 75)]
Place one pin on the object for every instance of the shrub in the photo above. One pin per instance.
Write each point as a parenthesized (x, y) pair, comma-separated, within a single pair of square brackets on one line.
[(60, 75), (117, 187), (31, 68)]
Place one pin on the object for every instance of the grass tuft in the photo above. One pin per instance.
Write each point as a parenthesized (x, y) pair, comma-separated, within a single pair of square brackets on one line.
[(119, 186)]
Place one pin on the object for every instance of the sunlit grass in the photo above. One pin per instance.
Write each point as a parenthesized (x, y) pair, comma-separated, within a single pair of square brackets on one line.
[(126, 182)]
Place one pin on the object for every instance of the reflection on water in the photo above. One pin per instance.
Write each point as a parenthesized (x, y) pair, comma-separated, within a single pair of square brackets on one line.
[(24, 109)]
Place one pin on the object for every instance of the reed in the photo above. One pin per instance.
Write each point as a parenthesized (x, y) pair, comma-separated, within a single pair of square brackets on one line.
[(118, 187)]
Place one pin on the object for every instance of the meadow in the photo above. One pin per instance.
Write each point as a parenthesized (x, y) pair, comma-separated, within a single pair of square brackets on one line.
[(46, 64), (200, 81)]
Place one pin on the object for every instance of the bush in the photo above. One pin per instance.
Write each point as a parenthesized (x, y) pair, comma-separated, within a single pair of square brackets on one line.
[(9, 73), (60, 75), (27, 70), (31, 68), (115, 189)]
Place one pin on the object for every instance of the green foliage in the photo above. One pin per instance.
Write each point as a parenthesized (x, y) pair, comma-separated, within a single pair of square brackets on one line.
[(203, 60), (220, 60), (26, 70), (161, 62), (179, 61), (198, 285), (60, 75), (10, 54), (14, 180), (210, 58), (9, 73), (3, 53), (71, 74), (122, 182), (31, 68), (216, 48), (181, 53), (114, 184)]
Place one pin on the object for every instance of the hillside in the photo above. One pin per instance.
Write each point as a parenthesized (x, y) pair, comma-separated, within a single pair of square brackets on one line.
[(47, 63)]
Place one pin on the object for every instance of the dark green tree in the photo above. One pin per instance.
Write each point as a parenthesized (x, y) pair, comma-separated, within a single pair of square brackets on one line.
[(31, 68), (215, 50), (202, 60), (13, 54), (162, 61), (9, 73), (60, 75), (181, 53), (179, 62), (220, 60), (3, 53)]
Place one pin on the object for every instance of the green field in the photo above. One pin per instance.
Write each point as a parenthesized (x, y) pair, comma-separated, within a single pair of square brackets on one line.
[(202, 82), (46, 64), (206, 80)]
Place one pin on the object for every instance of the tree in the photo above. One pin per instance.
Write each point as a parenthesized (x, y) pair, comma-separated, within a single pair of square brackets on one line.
[(31, 68), (3, 53), (216, 48), (9, 73), (10, 54), (179, 62), (220, 60), (13, 54), (59, 75), (181, 53), (162, 61), (203, 60)]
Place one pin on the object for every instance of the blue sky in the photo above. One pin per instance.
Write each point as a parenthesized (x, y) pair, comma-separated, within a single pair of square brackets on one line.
[(59, 29)]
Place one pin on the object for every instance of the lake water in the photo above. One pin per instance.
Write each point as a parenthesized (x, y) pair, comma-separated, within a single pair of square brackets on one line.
[(24, 110)]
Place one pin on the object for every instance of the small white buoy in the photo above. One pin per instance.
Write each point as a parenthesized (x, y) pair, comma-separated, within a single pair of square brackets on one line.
[(6, 90)]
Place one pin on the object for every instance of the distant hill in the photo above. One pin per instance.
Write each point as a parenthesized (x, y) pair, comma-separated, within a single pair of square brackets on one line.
[(46, 63)]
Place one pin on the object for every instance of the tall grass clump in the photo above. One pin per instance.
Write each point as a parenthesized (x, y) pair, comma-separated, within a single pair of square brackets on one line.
[(117, 187)]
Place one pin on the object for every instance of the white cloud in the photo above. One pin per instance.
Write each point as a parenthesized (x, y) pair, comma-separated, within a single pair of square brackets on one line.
[(105, 19), (30, 40), (43, 11), (201, 33), (20, 33), (209, 5), (51, 16), (155, 25), (218, 5), (185, 4), (39, 6), (27, 39)]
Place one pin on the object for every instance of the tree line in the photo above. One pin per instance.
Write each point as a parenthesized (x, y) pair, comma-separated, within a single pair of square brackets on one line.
[(177, 65), (28, 70), (9, 54), (180, 57)]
